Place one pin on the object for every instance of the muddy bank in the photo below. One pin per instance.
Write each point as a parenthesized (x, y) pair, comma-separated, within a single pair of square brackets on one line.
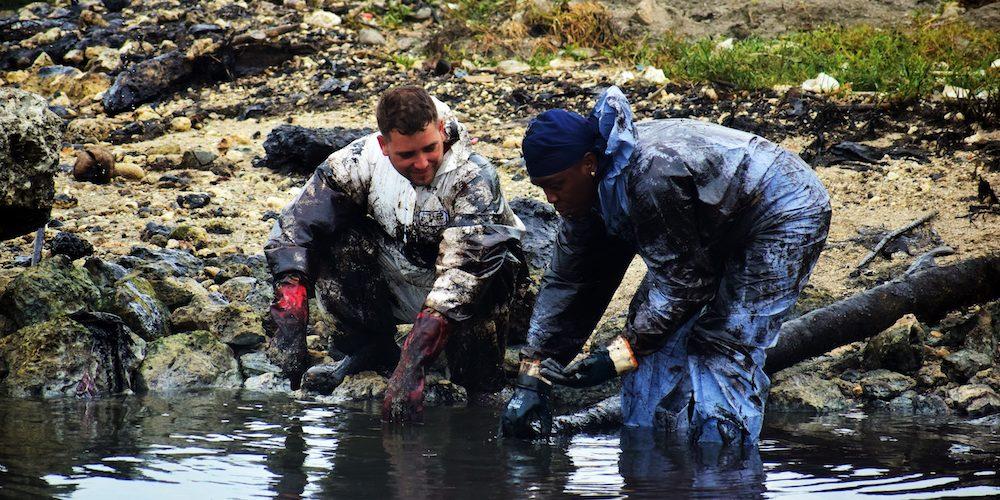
[(173, 248)]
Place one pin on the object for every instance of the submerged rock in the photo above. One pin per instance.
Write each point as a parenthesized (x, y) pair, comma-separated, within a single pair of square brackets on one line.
[(301, 149), (90, 355), (189, 361), (30, 135), (51, 289), (897, 348)]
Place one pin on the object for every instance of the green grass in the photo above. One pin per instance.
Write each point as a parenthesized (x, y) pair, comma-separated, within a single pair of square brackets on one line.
[(905, 62), (395, 13)]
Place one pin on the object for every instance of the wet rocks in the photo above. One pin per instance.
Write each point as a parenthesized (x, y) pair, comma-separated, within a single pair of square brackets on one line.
[(235, 323), (365, 386), (188, 361), (30, 135), (301, 149), (885, 384), (267, 383), (51, 289), (898, 348), (238, 324), (256, 363), (135, 301), (964, 364), (65, 357), (248, 289), (442, 392), (163, 262), (807, 392), (70, 245), (977, 400)]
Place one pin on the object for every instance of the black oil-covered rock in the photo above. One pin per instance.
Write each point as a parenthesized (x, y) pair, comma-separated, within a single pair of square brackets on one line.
[(302, 149), (71, 245), (194, 200)]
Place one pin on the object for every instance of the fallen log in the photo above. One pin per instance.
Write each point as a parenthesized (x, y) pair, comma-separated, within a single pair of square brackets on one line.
[(929, 293)]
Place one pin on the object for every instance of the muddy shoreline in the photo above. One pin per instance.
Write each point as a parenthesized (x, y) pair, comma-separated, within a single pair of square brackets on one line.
[(187, 229)]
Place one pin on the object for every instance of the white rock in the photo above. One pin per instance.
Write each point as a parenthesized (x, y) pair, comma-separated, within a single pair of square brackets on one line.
[(323, 19), (654, 75), (181, 124), (369, 36), (624, 77), (995, 64), (512, 67), (726, 44), (952, 92), (983, 137), (822, 84)]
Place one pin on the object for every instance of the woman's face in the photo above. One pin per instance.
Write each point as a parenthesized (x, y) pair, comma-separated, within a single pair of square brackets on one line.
[(573, 191)]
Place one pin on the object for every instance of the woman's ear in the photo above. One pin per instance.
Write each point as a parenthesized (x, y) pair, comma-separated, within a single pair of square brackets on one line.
[(590, 164)]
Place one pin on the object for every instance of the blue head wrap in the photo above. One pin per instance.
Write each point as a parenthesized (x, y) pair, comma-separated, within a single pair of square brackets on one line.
[(556, 140)]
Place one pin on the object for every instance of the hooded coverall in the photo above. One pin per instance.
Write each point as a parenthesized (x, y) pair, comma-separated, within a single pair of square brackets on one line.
[(380, 249), (729, 226)]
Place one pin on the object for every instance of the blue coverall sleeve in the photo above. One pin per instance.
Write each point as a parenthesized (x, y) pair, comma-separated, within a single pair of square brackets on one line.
[(586, 268), (680, 275)]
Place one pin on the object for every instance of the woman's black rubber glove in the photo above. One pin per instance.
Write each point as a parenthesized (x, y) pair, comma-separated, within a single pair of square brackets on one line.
[(602, 365), (528, 414)]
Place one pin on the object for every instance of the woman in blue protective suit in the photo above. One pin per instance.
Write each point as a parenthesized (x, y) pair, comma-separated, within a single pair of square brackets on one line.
[(729, 226)]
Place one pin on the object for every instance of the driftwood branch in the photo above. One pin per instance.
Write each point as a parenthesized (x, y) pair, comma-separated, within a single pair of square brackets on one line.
[(928, 293), (891, 236)]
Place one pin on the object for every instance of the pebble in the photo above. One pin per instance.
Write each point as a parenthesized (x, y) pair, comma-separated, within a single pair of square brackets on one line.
[(194, 200), (323, 19), (180, 124), (368, 36)]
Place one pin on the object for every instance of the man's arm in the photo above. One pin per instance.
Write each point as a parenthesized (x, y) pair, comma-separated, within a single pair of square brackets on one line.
[(475, 249), (586, 268), (330, 198)]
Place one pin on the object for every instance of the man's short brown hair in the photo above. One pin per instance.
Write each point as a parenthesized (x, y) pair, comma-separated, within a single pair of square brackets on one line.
[(406, 109)]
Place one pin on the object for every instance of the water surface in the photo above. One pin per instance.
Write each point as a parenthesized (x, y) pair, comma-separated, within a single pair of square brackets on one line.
[(224, 445)]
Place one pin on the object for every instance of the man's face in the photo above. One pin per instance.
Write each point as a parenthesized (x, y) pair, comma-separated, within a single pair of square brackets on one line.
[(573, 191), (417, 156)]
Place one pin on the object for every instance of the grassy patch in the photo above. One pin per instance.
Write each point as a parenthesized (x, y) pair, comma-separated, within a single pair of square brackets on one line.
[(904, 62)]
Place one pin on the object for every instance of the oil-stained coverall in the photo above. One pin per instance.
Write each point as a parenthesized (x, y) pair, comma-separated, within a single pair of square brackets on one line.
[(379, 250), (729, 226)]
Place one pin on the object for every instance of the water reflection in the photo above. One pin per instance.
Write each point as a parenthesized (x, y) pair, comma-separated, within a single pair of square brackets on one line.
[(225, 445)]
